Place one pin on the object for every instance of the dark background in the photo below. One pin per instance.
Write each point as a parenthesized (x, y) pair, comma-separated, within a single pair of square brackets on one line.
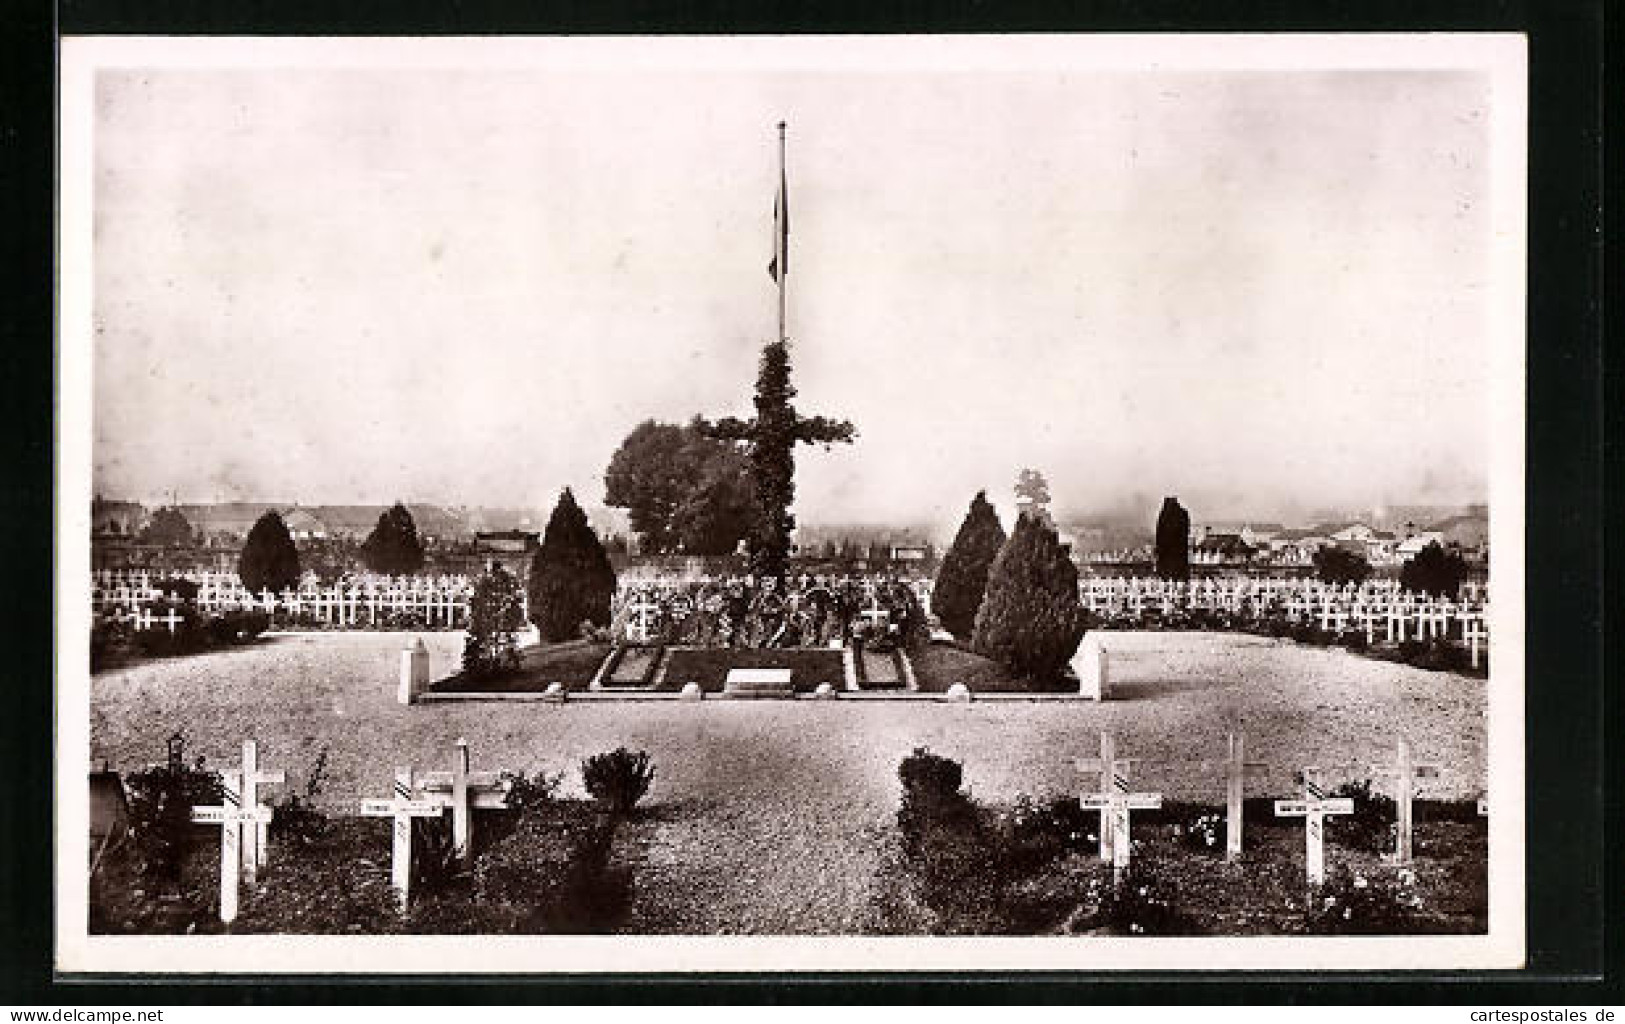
[(1567, 379)]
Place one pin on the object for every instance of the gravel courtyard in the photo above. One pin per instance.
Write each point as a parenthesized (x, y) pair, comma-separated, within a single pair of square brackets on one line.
[(771, 816)]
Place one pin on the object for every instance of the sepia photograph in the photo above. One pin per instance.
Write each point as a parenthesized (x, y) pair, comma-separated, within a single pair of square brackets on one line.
[(786, 504)]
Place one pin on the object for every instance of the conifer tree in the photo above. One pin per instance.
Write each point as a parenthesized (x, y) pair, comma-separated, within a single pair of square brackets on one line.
[(1173, 541), (962, 579), (1031, 619), (571, 580), (393, 546), (269, 561), (494, 616), (1434, 571)]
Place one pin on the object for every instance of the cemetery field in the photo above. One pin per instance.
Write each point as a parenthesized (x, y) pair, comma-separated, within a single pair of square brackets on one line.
[(779, 816)]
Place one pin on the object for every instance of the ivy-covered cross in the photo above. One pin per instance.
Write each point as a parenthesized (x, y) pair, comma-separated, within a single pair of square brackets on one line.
[(770, 439)]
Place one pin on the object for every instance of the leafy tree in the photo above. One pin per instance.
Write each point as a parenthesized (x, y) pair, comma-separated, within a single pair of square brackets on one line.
[(168, 528), (1032, 493), (683, 489), (1434, 571), (1173, 541), (963, 576), (571, 580), (495, 614), (1338, 565), (393, 546), (1031, 619), (770, 440), (269, 560)]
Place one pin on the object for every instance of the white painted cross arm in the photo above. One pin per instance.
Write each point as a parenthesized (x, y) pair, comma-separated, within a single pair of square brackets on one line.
[(1300, 808), (229, 815)]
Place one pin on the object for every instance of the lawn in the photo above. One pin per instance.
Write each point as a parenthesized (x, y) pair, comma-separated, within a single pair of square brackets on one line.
[(572, 663)]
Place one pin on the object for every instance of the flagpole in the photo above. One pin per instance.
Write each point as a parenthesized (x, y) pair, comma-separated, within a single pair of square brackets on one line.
[(782, 237)]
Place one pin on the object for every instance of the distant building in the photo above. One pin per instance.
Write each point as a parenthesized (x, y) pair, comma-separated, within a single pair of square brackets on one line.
[(110, 518), (303, 525)]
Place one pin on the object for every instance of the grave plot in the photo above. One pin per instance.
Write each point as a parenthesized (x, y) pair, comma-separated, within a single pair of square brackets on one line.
[(709, 667)]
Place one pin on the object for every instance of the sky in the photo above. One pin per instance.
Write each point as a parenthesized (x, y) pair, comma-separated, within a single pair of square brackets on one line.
[(1260, 290)]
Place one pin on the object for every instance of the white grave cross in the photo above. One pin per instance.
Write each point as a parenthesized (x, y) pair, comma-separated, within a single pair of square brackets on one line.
[(1313, 810), (256, 840), (231, 816), (403, 809), (1406, 772), (1236, 766), (1114, 776), (465, 792)]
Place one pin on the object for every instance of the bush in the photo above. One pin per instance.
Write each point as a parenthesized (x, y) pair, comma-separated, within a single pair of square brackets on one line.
[(1173, 539), (1351, 904), (1031, 620), (962, 580), (161, 801), (237, 627), (618, 779), (393, 547), (108, 639), (1372, 827), (1205, 831), (295, 819), (571, 580), (1338, 566), (1434, 571), (1142, 902), (494, 615), (1352, 639), (269, 560)]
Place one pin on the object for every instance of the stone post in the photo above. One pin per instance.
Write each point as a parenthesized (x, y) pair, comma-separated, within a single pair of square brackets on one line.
[(414, 671)]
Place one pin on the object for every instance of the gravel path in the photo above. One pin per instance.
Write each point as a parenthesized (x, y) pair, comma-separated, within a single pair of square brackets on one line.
[(771, 816)]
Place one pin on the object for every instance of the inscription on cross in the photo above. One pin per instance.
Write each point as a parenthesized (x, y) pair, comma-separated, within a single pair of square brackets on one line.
[(403, 809), (464, 792), (1313, 809), (1114, 779)]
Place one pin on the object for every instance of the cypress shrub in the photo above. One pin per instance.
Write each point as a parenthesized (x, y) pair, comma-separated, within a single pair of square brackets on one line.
[(393, 546), (1434, 571), (962, 579), (571, 580), (493, 617), (1031, 619), (1173, 541), (269, 560)]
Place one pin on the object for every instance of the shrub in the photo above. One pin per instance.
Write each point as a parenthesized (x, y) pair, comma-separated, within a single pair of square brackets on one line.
[(571, 580), (1372, 827), (962, 580), (528, 793), (1173, 541), (1338, 565), (108, 637), (1352, 904), (1141, 902), (269, 561), (177, 589), (237, 627), (1031, 619), (295, 819), (1205, 831), (1434, 571), (618, 779), (1352, 639), (494, 616), (161, 801), (393, 546)]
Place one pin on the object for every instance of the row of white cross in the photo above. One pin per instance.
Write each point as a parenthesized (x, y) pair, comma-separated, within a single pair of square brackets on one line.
[(1115, 801), (244, 818), (334, 605)]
